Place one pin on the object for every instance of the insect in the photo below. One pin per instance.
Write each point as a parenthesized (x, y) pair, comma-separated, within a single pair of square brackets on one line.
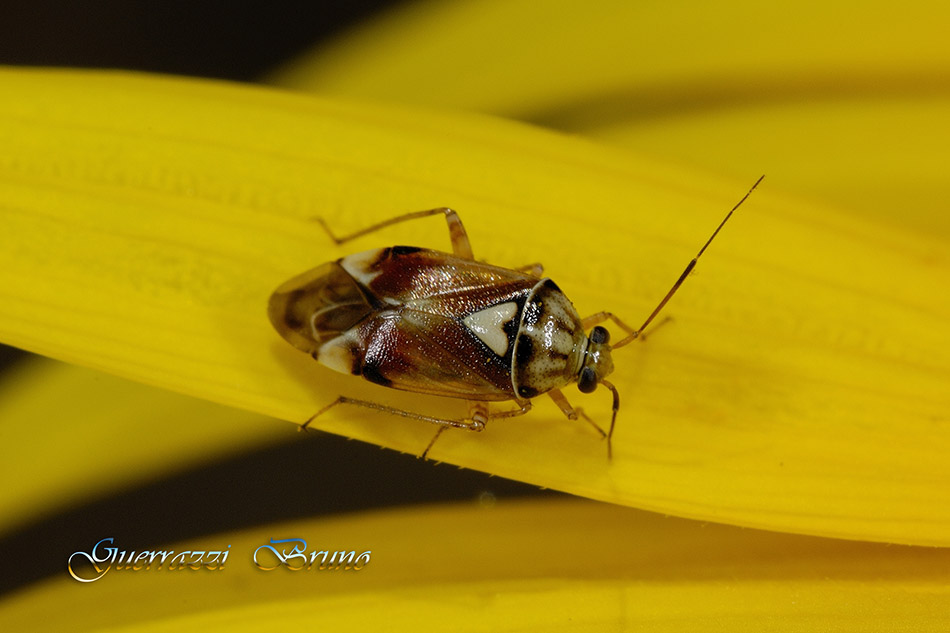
[(445, 324)]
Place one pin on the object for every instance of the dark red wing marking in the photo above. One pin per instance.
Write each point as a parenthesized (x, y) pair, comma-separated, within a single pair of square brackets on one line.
[(439, 283), (422, 352)]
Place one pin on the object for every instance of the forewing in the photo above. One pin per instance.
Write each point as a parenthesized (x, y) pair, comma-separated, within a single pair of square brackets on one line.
[(419, 351), (317, 306), (410, 319), (435, 282)]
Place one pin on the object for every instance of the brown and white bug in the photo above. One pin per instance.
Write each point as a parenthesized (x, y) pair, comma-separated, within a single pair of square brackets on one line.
[(429, 322)]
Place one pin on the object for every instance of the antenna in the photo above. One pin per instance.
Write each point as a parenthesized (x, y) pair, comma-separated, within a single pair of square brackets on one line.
[(689, 268)]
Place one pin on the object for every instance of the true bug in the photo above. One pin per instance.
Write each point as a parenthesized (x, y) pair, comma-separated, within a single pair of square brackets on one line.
[(430, 322)]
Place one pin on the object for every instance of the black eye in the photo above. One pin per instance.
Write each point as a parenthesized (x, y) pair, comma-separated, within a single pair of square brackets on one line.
[(599, 335), (587, 381)]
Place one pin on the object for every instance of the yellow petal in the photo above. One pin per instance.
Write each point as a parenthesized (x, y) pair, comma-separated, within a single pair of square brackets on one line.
[(882, 158), (846, 110), (526, 566), (801, 387), (510, 58), (72, 434)]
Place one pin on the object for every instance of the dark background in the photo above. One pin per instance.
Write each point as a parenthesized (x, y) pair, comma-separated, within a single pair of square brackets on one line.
[(206, 38), (237, 41)]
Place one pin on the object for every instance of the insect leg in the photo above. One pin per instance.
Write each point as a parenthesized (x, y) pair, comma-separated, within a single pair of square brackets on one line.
[(632, 334), (469, 425), (481, 414), (461, 247), (425, 453), (535, 270), (572, 414), (524, 407), (600, 317)]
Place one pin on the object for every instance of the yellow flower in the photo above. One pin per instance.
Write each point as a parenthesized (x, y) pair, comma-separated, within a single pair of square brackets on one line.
[(842, 102), (802, 386)]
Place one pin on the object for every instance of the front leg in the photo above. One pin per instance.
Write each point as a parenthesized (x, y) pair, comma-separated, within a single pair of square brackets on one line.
[(570, 412)]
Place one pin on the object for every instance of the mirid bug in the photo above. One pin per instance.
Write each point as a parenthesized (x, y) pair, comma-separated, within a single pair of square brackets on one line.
[(429, 322)]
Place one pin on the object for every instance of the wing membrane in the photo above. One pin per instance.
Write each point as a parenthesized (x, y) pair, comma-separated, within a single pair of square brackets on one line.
[(317, 306)]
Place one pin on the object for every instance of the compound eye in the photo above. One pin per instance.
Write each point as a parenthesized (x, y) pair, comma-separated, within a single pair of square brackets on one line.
[(599, 335), (587, 381)]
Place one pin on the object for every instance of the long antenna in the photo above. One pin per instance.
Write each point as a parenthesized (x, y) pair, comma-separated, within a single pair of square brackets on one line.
[(689, 269)]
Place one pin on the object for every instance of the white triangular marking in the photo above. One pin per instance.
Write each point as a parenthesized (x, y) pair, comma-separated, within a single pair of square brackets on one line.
[(488, 325)]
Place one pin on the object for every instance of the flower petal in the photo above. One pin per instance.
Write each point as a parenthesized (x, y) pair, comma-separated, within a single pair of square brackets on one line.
[(102, 433), (846, 110), (801, 386), (511, 59), (551, 565), (880, 156)]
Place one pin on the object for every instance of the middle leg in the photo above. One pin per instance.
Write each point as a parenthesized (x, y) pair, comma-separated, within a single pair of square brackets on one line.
[(535, 270), (461, 247), (480, 415)]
